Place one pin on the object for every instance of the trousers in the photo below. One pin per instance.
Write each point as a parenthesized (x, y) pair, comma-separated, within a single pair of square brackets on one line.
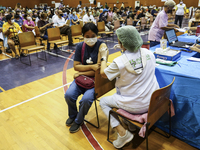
[(71, 96)]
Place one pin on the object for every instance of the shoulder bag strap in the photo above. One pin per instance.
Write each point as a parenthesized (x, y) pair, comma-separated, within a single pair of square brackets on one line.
[(82, 52)]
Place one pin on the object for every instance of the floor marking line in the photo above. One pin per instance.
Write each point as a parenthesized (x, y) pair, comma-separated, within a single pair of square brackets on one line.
[(2, 89), (90, 137), (33, 98), (64, 74)]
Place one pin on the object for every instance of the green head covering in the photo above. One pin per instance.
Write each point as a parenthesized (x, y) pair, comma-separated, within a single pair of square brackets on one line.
[(130, 38)]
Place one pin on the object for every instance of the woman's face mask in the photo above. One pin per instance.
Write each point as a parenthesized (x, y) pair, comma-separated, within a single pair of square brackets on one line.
[(90, 41), (90, 13), (28, 18), (74, 13), (12, 21), (181, 3)]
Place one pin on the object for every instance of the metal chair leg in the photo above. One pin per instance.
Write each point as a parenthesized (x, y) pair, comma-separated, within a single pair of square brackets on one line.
[(146, 135), (97, 117), (28, 58), (109, 127)]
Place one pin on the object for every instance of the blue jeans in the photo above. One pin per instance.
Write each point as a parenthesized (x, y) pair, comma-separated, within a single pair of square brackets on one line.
[(85, 103), (154, 43), (45, 37)]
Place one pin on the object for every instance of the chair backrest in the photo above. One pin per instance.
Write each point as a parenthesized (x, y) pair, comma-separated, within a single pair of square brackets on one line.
[(23, 28), (53, 34), (68, 22), (102, 85), (129, 21), (26, 39), (143, 20), (159, 104), (101, 26), (116, 24), (76, 30), (124, 17), (81, 23), (37, 31)]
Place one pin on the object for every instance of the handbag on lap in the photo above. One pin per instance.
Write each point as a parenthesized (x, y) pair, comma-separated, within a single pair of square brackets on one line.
[(82, 80)]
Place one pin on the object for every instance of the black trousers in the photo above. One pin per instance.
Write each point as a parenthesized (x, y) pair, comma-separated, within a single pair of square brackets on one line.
[(180, 19), (67, 31)]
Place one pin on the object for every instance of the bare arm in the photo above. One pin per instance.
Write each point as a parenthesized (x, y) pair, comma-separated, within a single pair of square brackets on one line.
[(103, 67), (29, 27)]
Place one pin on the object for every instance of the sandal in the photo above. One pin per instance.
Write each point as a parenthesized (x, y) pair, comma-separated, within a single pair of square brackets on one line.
[(17, 56)]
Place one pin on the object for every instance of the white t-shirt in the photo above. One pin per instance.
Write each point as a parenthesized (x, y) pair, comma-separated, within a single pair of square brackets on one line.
[(133, 90), (180, 9), (87, 18), (59, 21)]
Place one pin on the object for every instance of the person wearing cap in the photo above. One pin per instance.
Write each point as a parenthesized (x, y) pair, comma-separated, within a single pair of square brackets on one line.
[(160, 24), (180, 11), (135, 77)]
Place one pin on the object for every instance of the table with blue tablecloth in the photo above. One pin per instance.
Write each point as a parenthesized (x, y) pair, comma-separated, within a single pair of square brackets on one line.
[(185, 95)]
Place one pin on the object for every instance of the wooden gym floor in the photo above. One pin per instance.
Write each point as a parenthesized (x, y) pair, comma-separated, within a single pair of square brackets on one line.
[(33, 110)]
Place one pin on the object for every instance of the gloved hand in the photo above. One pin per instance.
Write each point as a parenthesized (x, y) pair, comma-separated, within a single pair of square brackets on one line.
[(103, 49), (116, 46)]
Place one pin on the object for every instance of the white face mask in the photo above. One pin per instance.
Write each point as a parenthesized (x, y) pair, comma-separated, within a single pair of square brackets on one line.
[(106, 13), (90, 13), (90, 41), (181, 2), (29, 18), (74, 13), (12, 21)]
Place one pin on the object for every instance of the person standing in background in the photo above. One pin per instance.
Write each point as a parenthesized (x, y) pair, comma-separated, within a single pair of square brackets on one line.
[(180, 11), (160, 24)]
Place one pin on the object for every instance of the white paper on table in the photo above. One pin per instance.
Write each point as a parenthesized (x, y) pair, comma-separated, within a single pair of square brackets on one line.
[(1, 36), (180, 29), (194, 59)]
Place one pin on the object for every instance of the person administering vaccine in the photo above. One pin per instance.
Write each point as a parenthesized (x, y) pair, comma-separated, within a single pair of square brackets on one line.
[(160, 24), (180, 11), (135, 77)]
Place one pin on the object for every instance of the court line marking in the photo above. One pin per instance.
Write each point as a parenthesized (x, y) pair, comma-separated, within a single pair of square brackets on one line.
[(2, 89), (90, 137), (33, 98)]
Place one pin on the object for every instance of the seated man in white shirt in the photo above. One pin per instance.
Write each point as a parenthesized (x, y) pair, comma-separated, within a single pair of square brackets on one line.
[(64, 28), (88, 17)]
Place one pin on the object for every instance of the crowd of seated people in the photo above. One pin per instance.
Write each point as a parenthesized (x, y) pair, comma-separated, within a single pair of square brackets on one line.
[(29, 18)]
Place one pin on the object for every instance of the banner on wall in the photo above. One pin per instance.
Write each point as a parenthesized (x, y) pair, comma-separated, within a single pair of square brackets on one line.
[(163, 0)]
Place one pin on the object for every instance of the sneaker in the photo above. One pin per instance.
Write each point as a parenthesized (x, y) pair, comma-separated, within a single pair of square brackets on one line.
[(69, 121), (75, 127), (8, 50), (131, 127), (122, 140)]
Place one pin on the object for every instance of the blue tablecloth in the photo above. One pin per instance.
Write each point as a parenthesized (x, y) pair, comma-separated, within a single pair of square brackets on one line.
[(185, 95), (186, 38)]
